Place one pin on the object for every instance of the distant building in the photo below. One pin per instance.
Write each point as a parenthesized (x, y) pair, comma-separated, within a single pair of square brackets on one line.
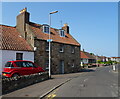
[(117, 59), (87, 58), (102, 58)]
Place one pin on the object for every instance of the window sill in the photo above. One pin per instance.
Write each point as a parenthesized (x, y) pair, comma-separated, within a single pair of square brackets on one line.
[(47, 50), (61, 51)]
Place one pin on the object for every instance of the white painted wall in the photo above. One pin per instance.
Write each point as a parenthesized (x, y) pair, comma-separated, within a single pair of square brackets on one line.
[(9, 55), (85, 61)]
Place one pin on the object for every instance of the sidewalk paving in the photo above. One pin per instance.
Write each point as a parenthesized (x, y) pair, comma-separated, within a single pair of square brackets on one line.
[(42, 88), (39, 89)]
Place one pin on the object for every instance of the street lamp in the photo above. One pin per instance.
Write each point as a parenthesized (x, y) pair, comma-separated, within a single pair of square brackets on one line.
[(50, 40)]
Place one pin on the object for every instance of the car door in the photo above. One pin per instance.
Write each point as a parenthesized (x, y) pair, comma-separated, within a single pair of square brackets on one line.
[(34, 68), (28, 66), (21, 68)]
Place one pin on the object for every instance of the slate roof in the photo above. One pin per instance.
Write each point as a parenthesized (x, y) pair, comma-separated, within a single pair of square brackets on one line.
[(11, 39), (37, 29), (86, 55)]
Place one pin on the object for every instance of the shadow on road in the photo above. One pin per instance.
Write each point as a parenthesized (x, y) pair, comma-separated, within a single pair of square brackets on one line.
[(87, 70)]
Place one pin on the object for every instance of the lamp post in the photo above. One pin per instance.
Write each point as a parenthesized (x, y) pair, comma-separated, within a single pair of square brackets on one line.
[(49, 40)]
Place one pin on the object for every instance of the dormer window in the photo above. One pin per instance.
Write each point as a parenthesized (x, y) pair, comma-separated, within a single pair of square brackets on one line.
[(46, 28), (62, 34)]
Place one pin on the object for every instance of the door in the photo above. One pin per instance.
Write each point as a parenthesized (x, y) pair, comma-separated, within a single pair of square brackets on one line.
[(61, 69)]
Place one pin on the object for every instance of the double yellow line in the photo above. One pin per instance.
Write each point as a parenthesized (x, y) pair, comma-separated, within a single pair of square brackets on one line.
[(51, 96)]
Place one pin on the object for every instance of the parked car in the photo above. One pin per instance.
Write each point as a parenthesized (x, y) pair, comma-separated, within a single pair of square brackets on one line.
[(21, 67)]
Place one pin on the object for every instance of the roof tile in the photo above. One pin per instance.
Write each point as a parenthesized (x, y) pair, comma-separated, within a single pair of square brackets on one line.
[(11, 39), (68, 39)]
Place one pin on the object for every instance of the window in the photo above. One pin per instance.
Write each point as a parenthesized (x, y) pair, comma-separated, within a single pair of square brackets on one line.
[(72, 49), (19, 56), (73, 64), (47, 46), (25, 64), (9, 64), (62, 34), (19, 64), (47, 65), (46, 28), (61, 48)]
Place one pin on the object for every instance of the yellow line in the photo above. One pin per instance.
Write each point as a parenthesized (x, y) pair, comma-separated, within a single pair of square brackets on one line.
[(53, 95), (50, 96)]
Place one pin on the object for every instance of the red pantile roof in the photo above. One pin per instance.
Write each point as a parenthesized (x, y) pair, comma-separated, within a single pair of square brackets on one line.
[(115, 57), (68, 39), (86, 55), (11, 39)]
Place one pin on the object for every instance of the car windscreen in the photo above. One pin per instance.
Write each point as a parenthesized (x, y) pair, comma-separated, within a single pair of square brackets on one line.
[(9, 64)]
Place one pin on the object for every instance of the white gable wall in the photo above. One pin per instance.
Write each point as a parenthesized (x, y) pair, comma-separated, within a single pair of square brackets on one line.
[(85, 61), (9, 55)]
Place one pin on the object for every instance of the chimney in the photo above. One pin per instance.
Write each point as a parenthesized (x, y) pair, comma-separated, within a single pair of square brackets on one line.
[(83, 50), (66, 28), (22, 19)]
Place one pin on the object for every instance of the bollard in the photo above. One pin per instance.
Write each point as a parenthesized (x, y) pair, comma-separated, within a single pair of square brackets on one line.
[(114, 67)]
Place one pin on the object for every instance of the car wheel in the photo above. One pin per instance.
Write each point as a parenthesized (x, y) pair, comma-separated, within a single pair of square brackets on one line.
[(15, 75)]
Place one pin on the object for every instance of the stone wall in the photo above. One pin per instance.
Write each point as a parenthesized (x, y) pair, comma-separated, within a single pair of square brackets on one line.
[(14, 83), (41, 55)]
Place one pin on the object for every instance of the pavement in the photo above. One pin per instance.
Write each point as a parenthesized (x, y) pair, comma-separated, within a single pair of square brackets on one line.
[(41, 89)]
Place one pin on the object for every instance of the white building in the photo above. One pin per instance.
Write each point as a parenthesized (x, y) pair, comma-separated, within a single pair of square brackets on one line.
[(13, 46), (117, 59)]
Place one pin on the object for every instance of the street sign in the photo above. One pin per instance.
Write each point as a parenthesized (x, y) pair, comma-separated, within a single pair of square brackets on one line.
[(49, 40)]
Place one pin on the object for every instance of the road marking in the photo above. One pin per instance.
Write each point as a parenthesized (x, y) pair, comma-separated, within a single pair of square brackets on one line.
[(111, 86), (51, 96), (86, 79), (114, 84), (54, 88)]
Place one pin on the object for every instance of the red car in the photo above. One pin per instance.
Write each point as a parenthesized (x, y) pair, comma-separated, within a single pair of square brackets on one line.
[(20, 67)]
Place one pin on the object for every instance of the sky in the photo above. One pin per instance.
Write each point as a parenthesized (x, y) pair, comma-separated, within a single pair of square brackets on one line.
[(93, 24)]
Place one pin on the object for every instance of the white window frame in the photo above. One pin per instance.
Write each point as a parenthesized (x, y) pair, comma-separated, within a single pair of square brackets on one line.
[(72, 49), (47, 63), (62, 33), (46, 26), (73, 63), (61, 47), (47, 45)]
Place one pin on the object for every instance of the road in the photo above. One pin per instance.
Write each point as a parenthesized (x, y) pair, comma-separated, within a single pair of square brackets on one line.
[(102, 82)]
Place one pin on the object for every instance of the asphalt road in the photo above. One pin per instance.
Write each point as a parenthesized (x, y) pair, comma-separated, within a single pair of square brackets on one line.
[(102, 82)]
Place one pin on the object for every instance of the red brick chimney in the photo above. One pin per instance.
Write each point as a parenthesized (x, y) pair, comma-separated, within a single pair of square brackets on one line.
[(66, 28)]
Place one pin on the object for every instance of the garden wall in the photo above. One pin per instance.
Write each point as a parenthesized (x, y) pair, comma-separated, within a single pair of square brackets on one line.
[(14, 83)]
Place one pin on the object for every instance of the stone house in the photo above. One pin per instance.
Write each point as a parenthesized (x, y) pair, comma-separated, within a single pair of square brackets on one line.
[(13, 46), (65, 50)]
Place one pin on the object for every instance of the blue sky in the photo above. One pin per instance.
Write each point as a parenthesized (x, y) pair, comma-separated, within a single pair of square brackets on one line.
[(93, 24)]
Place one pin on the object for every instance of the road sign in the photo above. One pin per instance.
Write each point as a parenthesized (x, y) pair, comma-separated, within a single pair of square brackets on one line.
[(49, 40)]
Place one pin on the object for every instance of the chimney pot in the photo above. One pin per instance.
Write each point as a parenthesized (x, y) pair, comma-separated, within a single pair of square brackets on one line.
[(23, 10), (66, 28)]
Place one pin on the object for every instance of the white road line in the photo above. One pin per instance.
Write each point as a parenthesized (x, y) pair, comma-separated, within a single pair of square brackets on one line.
[(86, 79)]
